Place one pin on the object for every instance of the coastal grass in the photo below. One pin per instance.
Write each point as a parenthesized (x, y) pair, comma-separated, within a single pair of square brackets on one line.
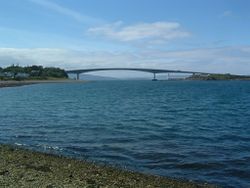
[(25, 168)]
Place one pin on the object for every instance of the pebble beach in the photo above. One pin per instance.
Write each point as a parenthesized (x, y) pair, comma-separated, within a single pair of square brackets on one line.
[(25, 168)]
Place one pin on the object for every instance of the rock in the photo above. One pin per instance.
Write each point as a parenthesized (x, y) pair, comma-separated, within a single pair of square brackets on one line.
[(50, 186), (4, 173)]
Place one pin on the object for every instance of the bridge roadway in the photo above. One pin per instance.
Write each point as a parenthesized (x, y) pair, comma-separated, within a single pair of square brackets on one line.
[(153, 71)]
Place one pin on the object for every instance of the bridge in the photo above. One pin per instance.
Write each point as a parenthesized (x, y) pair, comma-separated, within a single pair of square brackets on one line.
[(153, 71)]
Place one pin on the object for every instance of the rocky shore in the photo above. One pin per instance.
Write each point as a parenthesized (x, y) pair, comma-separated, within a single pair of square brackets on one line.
[(24, 168)]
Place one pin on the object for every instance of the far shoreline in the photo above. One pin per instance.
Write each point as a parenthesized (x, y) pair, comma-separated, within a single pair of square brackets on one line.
[(14, 83)]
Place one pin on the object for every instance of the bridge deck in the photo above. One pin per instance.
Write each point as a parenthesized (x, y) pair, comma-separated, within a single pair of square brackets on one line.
[(154, 71)]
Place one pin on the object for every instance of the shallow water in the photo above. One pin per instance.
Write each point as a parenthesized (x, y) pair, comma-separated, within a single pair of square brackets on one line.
[(196, 130)]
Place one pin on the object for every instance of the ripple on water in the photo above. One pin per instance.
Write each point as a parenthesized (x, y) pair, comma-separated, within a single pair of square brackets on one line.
[(191, 130)]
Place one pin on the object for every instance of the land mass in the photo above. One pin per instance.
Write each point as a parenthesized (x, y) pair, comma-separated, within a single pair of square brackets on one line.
[(34, 72), (24, 168), (16, 75), (217, 77)]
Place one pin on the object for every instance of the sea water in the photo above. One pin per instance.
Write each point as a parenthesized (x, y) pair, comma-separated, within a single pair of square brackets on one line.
[(195, 130)]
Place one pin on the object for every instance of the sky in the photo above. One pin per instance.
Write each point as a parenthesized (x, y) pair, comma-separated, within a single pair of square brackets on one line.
[(192, 35)]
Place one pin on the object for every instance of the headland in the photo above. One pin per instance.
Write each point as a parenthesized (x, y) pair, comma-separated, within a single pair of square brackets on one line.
[(218, 77)]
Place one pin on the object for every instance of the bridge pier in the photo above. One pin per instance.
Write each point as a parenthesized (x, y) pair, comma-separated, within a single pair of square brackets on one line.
[(154, 79), (77, 76), (168, 76)]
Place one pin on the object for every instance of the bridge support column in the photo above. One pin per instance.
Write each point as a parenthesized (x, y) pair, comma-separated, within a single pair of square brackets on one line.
[(154, 79), (77, 76), (168, 76)]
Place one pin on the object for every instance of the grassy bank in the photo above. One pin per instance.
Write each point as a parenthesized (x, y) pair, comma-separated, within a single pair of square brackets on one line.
[(24, 168)]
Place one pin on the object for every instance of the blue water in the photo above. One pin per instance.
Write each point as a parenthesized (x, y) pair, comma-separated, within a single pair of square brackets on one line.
[(197, 130)]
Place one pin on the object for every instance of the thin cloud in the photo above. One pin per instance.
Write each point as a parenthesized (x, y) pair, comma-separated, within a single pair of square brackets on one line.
[(67, 12), (227, 13), (154, 33)]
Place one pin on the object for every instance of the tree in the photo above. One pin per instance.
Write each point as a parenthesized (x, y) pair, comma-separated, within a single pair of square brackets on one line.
[(54, 72), (35, 71)]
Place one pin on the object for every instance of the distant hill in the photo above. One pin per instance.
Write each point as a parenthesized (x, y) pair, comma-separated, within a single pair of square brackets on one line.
[(93, 77)]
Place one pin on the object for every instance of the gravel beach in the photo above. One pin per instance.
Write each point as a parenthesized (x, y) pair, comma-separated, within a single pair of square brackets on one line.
[(24, 168)]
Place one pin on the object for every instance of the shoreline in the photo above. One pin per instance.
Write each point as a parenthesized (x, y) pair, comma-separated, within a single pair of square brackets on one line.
[(20, 167), (13, 83)]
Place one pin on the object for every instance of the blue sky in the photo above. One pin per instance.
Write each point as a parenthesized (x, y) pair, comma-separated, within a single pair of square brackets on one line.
[(200, 35)]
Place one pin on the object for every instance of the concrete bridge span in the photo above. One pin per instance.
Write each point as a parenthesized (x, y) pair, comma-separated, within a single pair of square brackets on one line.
[(153, 71)]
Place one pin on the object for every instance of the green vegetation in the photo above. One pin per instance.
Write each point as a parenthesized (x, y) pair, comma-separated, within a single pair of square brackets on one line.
[(218, 77), (16, 72)]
